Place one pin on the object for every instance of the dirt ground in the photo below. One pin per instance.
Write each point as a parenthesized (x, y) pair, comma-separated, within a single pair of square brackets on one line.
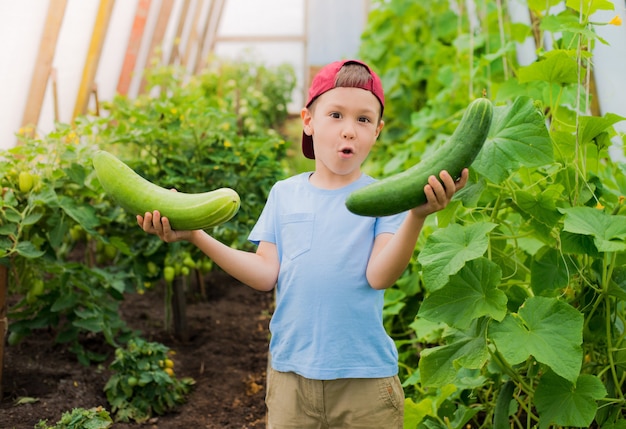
[(226, 355)]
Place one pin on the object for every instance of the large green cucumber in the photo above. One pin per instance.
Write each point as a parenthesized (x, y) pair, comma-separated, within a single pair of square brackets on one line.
[(405, 190), (138, 196)]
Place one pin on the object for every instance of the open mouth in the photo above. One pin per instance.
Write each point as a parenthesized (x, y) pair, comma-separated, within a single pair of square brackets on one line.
[(346, 151)]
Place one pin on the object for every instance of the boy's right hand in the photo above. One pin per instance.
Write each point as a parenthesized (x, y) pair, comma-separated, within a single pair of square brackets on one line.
[(153, 223)]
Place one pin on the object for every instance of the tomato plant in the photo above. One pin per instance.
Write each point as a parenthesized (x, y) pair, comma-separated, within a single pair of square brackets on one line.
[(144, 382), (55, 272), (512, 311), (73, 253), (201, 133)]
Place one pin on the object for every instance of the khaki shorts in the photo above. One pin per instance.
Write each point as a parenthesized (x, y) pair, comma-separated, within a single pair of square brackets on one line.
[(295, 402)]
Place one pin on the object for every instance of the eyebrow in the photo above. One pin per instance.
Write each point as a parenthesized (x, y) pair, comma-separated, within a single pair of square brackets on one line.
[(360, 110)]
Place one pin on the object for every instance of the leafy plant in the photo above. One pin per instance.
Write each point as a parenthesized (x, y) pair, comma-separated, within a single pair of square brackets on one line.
[(144, 382), (80, 418), (196, 134), (51, 241), (212, 130), (513, 309), (73, 253)]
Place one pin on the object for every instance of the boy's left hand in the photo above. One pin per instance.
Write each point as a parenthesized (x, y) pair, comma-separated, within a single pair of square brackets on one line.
[(439, 193)]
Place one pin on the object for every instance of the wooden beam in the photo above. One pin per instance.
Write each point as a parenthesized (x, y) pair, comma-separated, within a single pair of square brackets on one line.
[(55, 94), (43, 66), (93, 57), (193, 34), (176, 52), (209, 33), (157, 36), (134, 44)]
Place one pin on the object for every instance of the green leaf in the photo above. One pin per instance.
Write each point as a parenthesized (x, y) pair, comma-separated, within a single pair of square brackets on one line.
[(541, 5), (558, 23), (64, 302), (427, 406), (468, 349), (558, 67), (540, 206), (13, 216), (47, 197), (32, 218), (8, 229), (93, 324), (121, 244), (58, 231), (83, 214), (563, 403), (549, 272), (546, 328), (427, 331), (590, 6), (589, 127), (608, 232), (578, 244), (28, 250), (518, 137), (471, 293), (448, 249), (22, 400)]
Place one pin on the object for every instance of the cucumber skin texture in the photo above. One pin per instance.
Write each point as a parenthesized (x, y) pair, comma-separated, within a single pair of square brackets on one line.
[(138, 196), (405, 190)]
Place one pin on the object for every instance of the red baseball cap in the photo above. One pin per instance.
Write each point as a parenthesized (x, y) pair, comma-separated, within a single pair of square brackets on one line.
[(325, 80)]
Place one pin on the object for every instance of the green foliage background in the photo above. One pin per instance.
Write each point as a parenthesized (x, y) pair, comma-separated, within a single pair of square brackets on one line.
[(73, 253), (512, 313)]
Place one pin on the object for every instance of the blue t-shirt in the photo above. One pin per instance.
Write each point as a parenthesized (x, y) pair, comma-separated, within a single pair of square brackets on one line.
[(328, 320)]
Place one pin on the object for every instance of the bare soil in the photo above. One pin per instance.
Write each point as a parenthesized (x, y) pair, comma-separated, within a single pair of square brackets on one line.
[(226, 355)]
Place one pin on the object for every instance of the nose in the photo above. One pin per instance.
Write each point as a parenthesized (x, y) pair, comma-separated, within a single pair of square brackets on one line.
[(348, 131)]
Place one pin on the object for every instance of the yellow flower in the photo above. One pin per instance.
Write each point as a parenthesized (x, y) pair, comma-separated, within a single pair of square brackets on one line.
[(227, 143), (617, 20), (72, 137), (599, 206)]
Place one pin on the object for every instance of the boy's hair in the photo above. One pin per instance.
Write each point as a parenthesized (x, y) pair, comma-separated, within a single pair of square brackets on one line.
[(353, 75), (347, 73)]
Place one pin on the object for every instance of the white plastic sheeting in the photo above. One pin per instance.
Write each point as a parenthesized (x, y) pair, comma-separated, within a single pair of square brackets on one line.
[(322, 31)]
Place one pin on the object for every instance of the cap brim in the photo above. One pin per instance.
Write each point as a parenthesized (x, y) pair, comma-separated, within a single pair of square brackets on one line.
[(307, 146)]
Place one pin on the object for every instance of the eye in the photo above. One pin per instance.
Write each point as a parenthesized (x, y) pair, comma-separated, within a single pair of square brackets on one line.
[(364, 119), (335, 115)]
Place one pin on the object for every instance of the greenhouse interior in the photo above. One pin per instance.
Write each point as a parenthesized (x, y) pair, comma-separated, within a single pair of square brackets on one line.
[(313, 213)]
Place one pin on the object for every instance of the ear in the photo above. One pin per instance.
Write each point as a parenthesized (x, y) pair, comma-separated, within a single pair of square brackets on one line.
[(306, 116), (379, 128)]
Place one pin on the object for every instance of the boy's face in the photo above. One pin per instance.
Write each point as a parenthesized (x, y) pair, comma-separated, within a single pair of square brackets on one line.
[(344, 123)]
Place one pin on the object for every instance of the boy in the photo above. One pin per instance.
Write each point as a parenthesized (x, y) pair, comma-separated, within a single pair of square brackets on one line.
[(332, 363)]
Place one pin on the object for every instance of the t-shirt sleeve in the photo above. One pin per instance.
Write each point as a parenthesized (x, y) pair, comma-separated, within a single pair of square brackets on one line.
[(389, 224), (264, 229)]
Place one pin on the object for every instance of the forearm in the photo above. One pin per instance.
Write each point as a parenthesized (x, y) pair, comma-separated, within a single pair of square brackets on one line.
[(256, 270), (390, 258), (391, 255)]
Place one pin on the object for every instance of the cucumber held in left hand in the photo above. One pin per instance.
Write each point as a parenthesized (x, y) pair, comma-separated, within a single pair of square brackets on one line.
[(138, 196), (405, 190)]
